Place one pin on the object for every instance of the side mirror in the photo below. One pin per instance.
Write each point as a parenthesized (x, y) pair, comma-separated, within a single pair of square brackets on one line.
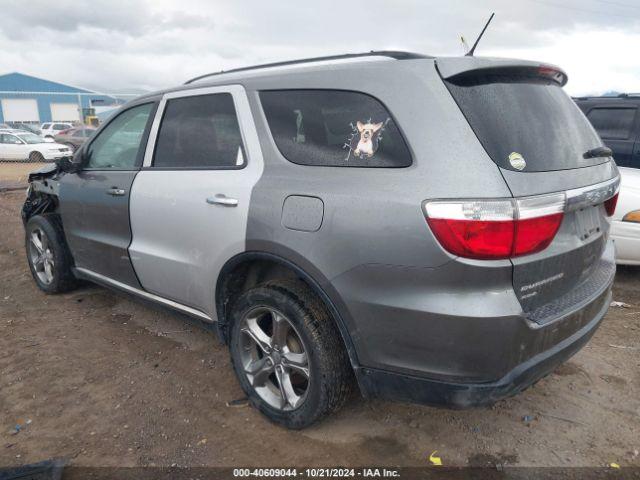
[(66, 164)]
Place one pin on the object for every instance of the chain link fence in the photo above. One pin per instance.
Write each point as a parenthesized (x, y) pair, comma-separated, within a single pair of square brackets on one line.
[(40, 127)]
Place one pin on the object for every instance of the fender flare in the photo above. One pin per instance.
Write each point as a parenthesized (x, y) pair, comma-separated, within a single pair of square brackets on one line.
[(304, 275)]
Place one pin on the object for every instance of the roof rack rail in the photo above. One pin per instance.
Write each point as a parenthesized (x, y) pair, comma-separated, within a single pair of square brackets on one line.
[(398, 55), (626, 95)]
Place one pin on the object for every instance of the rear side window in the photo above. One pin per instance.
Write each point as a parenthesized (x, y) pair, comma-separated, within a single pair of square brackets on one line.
[(199, 132), (525, 122), (613, 123), (334, 128)]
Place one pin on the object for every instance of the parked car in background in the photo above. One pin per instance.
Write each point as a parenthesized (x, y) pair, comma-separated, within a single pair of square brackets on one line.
[(617, 121), (625, 227), (4, 126), (25, 146), (51, 129), (74, 137), (27, 127), (437, 228)]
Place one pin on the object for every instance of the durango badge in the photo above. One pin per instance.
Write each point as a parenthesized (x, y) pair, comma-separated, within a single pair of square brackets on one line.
[(517, 161)]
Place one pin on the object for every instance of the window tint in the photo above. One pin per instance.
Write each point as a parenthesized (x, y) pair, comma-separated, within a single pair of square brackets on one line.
[(60, 126), (334, 128), (118, 144), (45, 125), (199, 132), (11, 139), (613, 123), (525, 117)]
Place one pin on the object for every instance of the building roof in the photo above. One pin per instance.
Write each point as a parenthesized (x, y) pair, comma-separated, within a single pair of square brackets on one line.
[(19, 82)]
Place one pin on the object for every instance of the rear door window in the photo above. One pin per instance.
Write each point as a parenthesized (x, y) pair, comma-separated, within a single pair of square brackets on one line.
[(334, 128), (200, 131), (525, 122), (613, 123)]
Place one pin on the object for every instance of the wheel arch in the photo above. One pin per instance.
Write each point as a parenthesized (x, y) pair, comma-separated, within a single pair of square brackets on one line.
[(235, 272)]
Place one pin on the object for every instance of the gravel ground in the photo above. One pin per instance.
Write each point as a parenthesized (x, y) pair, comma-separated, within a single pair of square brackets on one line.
[(103, 380)]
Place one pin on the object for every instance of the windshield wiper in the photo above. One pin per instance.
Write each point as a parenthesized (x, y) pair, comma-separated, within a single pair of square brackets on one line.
[(598, 152)]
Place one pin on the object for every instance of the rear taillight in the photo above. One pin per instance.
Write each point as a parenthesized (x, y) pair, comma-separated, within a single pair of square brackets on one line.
[(610, 205), (495, 229)]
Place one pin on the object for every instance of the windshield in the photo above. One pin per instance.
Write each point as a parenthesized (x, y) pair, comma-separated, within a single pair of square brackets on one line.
[(525, 122), (31, 138)]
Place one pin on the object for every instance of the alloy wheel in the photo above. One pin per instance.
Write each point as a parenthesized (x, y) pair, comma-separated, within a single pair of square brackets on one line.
[(41, 256), (274, 358)]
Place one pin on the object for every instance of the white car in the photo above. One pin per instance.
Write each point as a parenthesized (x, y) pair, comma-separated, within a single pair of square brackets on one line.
[(51, 129), (16, 145), (625, 225)]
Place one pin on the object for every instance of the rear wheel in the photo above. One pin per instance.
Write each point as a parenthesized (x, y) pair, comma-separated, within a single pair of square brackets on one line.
[(48, 255), (36, 157), (288, 354)]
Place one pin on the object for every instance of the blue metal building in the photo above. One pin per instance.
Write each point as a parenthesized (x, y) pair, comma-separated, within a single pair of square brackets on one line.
[(27, 99)]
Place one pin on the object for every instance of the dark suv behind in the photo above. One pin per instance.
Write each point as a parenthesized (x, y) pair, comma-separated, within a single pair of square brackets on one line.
[(617, 121)]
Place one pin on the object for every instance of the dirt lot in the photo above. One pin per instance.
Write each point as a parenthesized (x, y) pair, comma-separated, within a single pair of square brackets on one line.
[(16, 172), (107, 380)]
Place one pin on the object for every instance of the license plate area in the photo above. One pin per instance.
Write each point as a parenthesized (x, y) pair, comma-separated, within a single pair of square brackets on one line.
[(588, 222)]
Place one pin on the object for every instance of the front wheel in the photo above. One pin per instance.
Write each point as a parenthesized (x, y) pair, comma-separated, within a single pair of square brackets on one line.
[(288, 354), (48, 255)]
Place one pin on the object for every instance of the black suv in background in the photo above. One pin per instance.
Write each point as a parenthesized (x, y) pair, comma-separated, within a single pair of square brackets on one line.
[(617, 121)]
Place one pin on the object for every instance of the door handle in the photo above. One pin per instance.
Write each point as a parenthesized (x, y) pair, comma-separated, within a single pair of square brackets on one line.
[(221, 199), (116, 192)]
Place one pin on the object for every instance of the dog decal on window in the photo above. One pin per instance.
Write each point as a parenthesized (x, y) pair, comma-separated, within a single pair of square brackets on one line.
[(364, 139)]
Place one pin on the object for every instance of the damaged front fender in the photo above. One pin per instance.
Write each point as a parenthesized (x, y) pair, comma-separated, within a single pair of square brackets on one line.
[(42, 195)]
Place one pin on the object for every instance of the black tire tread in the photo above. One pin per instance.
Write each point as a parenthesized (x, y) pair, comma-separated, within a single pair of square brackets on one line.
[(52, 224), (340, 380), (337, 383)]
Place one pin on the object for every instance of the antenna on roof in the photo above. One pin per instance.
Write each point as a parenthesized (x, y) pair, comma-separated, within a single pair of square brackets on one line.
[(470, 52)]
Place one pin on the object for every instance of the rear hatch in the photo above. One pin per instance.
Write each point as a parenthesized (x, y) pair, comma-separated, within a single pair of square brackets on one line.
[(539, 139)]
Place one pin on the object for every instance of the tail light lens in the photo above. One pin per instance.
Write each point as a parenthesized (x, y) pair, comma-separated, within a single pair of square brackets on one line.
[(496, 229), (610, 205)]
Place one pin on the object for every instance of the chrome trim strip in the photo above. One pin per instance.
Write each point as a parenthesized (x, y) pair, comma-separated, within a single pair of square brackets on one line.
[(146, 295), (578, 198)]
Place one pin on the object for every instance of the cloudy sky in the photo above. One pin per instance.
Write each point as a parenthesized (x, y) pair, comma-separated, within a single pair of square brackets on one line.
[(137, 45)]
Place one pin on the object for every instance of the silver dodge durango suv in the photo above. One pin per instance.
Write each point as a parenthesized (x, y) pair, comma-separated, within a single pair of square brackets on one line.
[(433, 230)]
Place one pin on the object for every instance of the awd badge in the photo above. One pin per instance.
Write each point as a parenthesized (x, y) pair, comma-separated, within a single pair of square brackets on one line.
[(517, 161)]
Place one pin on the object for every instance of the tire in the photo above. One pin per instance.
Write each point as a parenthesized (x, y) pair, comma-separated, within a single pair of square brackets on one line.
[(36, 157), (310, 330), (52, 273)]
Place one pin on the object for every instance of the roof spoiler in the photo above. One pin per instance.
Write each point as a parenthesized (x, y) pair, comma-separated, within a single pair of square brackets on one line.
[(464, 67)]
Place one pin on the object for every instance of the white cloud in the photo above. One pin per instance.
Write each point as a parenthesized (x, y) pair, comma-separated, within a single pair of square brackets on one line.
[(118, 45)]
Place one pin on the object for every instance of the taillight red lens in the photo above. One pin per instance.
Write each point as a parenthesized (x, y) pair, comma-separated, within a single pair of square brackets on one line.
[(535, 234), (610, 205), (482, 240), (496, 229)]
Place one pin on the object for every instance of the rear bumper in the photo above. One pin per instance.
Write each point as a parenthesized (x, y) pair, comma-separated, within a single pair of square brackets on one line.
[(415, 389), (458, 336)]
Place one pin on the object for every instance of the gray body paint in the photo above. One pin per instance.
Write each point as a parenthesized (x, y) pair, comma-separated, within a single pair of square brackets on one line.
[(404, 305)]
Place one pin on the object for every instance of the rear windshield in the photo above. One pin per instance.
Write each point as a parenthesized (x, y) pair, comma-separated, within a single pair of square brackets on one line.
[(525, 123)]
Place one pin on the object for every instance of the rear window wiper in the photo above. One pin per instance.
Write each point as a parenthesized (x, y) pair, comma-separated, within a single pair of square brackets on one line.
[(598, 152)]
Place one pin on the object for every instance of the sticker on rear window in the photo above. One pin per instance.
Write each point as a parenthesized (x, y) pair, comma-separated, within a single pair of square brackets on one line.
[(365, 138), (517, 161)]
